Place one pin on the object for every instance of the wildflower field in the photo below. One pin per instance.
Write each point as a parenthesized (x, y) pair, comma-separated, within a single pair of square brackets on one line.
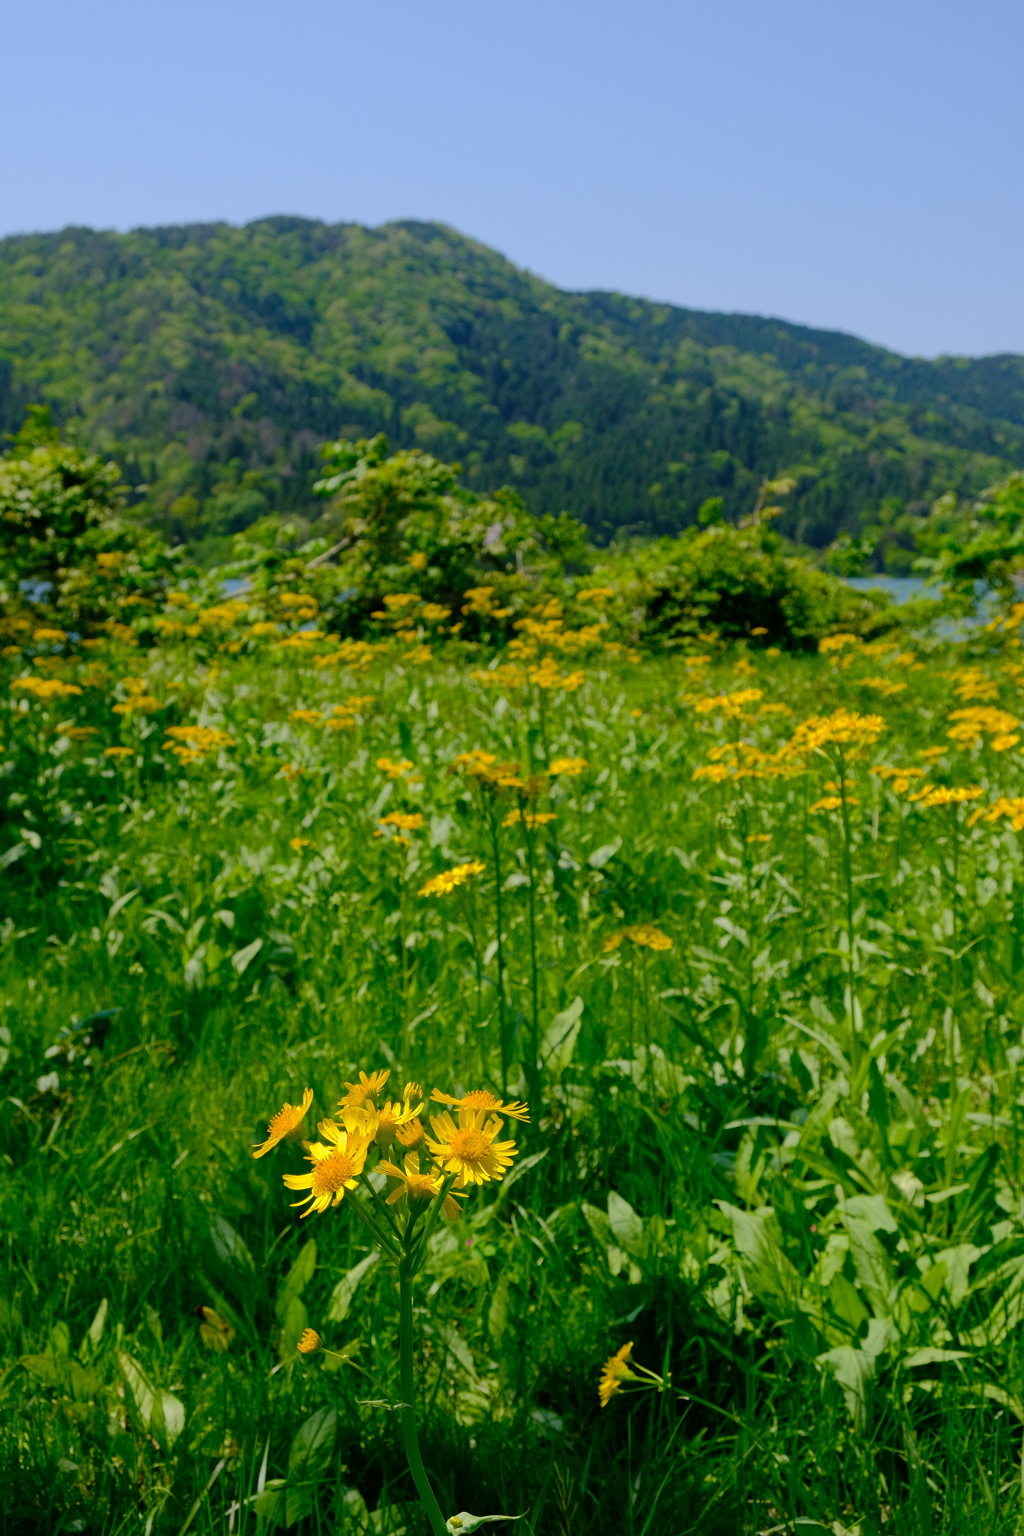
[(712, 958)]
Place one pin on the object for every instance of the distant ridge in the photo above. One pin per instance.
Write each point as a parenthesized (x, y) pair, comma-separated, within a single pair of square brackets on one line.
[(213, 359)]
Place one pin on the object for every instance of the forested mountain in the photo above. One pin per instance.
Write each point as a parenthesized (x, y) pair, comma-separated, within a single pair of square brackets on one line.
[(212, 360)]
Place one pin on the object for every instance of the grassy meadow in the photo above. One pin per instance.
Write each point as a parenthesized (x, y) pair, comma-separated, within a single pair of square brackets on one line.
[(745, 929)]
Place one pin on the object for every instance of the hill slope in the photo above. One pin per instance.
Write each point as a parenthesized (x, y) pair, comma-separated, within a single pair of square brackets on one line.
[(212, 360)]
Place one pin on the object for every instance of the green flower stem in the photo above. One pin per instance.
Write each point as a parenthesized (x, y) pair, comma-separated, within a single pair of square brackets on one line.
[(418, 1251), (380, 1238), (407, 1412)]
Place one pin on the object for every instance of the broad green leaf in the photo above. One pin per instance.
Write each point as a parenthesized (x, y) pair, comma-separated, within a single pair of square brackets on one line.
[(310, 1453), (853, 1370), (241, 958), (296, 1279), (341, 1296), (601, 856), (560, 1039), (625, 1225), (230, 1248), (167, 1419), (139, 1385)]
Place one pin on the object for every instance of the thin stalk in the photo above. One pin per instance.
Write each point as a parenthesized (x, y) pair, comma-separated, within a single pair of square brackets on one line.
[(503, 1043), (407, 1412), (531, 1068)]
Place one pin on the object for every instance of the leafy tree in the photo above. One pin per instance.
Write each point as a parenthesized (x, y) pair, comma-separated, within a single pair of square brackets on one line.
[(69, 552), (981, 542)]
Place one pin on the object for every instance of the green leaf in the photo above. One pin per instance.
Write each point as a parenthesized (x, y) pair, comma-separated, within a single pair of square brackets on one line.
[(167, 1418), (344, 1291), (626, 1227), (231, 1249), (310, 1453), (240, 959), (296, 1279), (559, 1041)]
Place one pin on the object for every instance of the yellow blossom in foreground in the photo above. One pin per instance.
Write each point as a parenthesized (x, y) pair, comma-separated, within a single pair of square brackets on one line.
[(298, 843), (366, 1091), (482, 1098), (390, 1117), (932, 754), (415, 1187), (309, 1342), (614, 1372), (448, 879), (646, 935), (716, 773), (306, 716), (567, 767), (826, 803), (972, 724), (191, 742), (336, 1167), (119, 752), (469, 1149), (837, 643), (286, 1124)]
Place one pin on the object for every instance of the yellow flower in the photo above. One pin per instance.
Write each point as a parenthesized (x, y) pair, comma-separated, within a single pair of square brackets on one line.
[(78, 732), (729, 704), (416, 1187), (260, 631), (837, 642), (411, 1134), (529, 819), (469, 1149), (45, 687), (286, 1124), (335, 1168), (826, 803), (417, 560), (366, 1091), (394, 770), (569, 767), (306, 716), (404, 821), (1013, 810), (843, 728), (940, 795), (716, 772), (482, 1099), (392, 1115), (614, 1372), (448, 879), (309, 1342), (119, 752), (58, 636), (646, 935), (298, 843)]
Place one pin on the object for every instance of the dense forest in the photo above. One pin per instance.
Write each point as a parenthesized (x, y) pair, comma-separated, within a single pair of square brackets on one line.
[(212, 361)]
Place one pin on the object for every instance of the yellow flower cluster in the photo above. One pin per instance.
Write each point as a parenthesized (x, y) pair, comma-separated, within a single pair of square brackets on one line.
[(460, 1153), (1002, 728), (883, 685), (899, 780), (843, 728), (971, 683), (729, 705), (45, 688), (138, 700), (449, 879), (354, 654), (546, 675), (531, 820), (645, 935), (837, 643), (505, 676), (931, 796), (191, 743), (567, 767), (1013, 810)]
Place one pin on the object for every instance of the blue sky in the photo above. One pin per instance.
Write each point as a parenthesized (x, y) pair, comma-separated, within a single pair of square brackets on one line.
[(856, 166)]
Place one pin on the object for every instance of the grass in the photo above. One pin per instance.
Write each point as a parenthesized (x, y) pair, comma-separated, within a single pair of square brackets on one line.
[(782, 1156)]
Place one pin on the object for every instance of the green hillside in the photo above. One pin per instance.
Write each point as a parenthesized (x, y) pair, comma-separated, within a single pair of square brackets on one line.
[(212, 361)]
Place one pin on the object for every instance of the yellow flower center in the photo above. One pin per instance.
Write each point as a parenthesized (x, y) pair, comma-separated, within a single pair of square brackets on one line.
[(470, 1146), (332, 1173), (285, 1120), (480, 1099), (420, 1188)]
